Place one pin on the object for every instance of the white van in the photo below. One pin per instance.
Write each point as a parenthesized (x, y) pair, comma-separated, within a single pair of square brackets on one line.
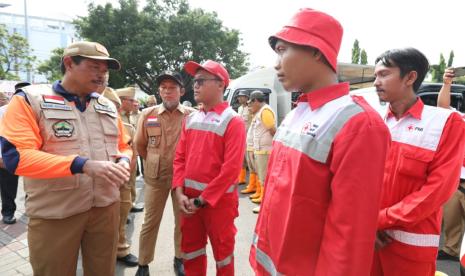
[(266, 81)]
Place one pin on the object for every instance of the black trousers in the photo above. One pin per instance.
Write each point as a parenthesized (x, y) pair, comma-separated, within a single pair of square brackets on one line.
[(8, 189)]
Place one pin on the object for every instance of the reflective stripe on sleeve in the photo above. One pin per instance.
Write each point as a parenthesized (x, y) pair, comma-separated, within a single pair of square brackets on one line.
[(422, 240), (318, 147), (189, 183), (226, 261), (264, 260)]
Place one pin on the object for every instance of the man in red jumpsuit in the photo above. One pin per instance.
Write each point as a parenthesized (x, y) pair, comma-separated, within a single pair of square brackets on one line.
[(422, 167), (319, 212), (207, 162)]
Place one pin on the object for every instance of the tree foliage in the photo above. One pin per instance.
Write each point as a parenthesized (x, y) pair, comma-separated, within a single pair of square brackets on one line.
[(363, 57), (450, 61), (51, 67), (161, 36), (356, 52), (437, 70), (15, 55)]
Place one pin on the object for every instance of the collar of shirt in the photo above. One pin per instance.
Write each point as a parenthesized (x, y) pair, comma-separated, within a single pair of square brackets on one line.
[(57, 87), (180, 108), (320, 97), (219, 108), (415, 110)]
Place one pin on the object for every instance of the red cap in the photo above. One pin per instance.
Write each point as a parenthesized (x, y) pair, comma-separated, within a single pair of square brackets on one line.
[(313, 28), (210, 66)]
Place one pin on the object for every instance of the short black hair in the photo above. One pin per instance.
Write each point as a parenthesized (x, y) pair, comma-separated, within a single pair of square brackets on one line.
[(408, 60), (75, 59)]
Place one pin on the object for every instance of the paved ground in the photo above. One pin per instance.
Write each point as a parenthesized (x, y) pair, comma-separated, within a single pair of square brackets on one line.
[(14, 251)]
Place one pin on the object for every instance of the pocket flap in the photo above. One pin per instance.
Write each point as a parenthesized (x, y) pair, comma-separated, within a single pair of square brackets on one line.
[(59, 114), (154, 131)]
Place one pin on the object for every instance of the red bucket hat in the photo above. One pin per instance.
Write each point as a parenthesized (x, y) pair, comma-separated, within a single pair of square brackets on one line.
[(313, 28), (210, 66)]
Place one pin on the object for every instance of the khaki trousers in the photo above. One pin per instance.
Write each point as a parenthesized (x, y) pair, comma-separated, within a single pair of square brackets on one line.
[(261, 165), (54, 243), (250, 161), (132, 185), (125, 207), (453, 219), (156, 193)]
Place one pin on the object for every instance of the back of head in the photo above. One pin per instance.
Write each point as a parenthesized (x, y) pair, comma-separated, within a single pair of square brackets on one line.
[(407, 60)]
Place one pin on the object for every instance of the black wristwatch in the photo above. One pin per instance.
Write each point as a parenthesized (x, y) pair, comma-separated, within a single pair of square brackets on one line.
[(198, 203)]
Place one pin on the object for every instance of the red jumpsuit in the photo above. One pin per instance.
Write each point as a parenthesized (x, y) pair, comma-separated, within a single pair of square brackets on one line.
[(421, 173), (208, 160), (319, 212)]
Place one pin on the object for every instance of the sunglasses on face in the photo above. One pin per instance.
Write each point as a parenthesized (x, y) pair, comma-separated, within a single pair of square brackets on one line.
[(200, 81)]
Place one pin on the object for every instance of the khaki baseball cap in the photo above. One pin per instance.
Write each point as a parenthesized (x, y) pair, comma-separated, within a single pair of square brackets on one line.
[(92, 50), (110, 94), (129, 92)]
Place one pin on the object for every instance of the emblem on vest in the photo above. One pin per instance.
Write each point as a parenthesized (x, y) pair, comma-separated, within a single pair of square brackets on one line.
[(63, 129), (309, 128), (53, 99), (152, 140), (152, 121), (104, 109), (44, 105)]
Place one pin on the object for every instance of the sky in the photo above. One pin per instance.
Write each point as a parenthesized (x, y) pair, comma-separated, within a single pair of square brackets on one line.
[(430, 26)]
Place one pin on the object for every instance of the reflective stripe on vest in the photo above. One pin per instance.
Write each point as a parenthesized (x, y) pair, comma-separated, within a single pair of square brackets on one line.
[(189, 183), (211, 126), (226, 261), (264, 260), (317, 148), (194, 254), (423, 240)]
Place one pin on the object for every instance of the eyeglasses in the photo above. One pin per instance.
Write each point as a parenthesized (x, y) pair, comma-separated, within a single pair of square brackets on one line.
[(200, 81)]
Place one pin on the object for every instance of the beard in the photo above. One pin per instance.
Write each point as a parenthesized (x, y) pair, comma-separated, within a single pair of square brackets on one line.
[(170, 105)]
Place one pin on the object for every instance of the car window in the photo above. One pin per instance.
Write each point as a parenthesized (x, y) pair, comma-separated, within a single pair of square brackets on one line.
[(431, 98)]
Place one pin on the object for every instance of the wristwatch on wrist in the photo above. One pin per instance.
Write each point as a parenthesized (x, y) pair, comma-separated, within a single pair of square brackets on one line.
[(198, 203)]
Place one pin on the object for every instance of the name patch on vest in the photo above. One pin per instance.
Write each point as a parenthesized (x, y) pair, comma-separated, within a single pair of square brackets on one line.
[(63, 129), (53, 99), (44, 105), (105, 109), (152, 121)]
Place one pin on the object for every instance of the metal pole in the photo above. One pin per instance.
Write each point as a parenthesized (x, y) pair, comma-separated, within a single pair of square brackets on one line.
[(26, 26)]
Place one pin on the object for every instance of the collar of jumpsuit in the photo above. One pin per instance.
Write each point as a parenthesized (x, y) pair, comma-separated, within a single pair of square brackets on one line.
[(219, 108), (320, 97), (415, 110)]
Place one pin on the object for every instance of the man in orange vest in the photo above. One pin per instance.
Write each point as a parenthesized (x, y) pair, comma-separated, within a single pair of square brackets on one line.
[(69, 145)]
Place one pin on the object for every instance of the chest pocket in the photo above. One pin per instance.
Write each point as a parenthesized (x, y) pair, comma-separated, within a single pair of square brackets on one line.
[(60, 126), (154, 135), (415, 164), (109, 126)]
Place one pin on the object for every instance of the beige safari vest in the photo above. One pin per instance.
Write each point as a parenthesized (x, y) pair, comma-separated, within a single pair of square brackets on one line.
[(262, 138), (67, 131)]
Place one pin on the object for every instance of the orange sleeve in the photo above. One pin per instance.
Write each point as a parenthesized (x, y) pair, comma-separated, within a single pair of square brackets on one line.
[(21, 142), (123, 141)]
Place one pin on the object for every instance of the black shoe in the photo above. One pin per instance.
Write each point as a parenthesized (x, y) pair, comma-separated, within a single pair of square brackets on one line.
[(129, 260), (143, 270), (178, 267), (9, 219), (137, 209), (442, 255)]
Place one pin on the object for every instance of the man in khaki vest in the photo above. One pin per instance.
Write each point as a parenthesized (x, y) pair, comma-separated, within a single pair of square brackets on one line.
[(127, 96), (157, 134), (69, 144), (263, 128)]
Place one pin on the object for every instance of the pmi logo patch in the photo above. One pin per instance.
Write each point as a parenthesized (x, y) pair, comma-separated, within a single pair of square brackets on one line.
[(412, 128), (309, 128)]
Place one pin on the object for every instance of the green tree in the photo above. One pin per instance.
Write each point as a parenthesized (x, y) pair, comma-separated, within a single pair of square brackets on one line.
[(163, 35), (363, 57), (437, 70), (15, 55), (51, 67), (450, 61), (356, 52)]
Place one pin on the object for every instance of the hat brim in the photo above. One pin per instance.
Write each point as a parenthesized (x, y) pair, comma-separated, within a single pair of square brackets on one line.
[(170, 77), (300, 37), (191, 67), (112, 63)]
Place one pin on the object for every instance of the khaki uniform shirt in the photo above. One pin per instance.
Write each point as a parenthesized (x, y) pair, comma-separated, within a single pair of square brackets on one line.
[(156, 138)]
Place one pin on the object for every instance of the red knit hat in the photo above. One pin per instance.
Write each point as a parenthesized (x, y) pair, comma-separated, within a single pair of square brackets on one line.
[(210, 66), (313, 28)]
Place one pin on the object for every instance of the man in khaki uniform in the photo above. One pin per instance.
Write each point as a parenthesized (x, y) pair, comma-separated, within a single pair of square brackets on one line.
[(151, 101), (69, 145), (127, 96), (157, 134), (243, 111), (123, 249), (263, 128)]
